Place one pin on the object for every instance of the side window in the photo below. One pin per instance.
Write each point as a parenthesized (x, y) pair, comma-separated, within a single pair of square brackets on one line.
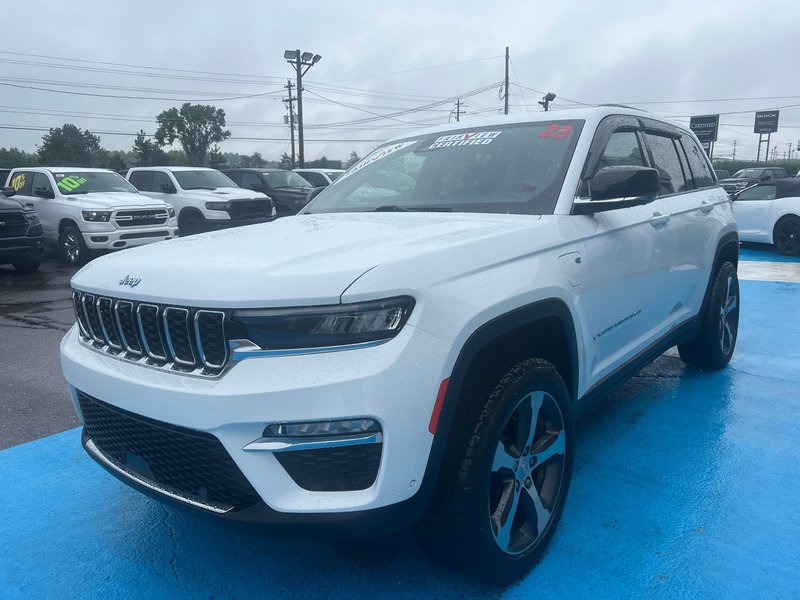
[(161, 181), (667, 163), (759, 192), (314, 179), (21, 181), (622, 149), (41, 186), (142, 180), (698, 163), (251, 181), (777, 174), (685, 165)]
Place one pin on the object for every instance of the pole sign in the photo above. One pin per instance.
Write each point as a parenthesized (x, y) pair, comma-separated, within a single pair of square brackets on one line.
[(705, 127), (707, 147), (766, 121)]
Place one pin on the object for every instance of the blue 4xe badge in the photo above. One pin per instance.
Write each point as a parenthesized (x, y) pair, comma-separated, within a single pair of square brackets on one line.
[(131, 281)]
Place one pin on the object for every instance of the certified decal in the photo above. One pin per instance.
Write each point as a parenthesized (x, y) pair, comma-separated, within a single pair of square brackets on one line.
[(18, 182), (375, 156), (475, 138), (69, 182)]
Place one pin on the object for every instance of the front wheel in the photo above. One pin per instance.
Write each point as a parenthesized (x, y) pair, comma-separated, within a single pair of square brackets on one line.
[(510, 479), (787, 236), (191, 224), (73, 248), (713, 347)]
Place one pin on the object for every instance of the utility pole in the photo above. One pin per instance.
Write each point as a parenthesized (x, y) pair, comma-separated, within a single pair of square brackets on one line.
[(299, 60), (506, 84), (290, 101), (458, 110), (734, 149)]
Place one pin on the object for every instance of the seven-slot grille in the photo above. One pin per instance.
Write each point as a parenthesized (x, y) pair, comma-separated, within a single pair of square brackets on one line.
[(250, 209), (138, 218), (189, 340)]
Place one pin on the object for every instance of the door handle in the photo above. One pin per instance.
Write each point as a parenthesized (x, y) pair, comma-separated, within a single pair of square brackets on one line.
[(706, 206), (659, 219)]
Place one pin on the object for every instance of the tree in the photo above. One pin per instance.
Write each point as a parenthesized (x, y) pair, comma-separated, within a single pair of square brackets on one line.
[(196, 126), (354, 158), (285, 162), (148, 153), (215, 158), (14, 157), (324, 163), (254, 160), (68, 145)]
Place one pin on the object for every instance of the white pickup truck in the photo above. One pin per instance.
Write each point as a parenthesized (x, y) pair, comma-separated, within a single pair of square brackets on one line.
[(83, 210), (204, 199)]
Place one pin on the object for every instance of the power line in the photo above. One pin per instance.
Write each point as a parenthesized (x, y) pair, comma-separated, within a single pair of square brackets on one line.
[(458, 62)]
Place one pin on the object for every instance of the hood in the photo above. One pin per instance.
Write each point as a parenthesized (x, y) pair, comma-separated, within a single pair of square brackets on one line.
[(9, 204), (224, 194), (737, 179), (301, 260), (112, 200)]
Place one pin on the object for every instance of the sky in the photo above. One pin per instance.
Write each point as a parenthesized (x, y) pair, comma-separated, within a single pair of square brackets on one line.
[(389, 68)]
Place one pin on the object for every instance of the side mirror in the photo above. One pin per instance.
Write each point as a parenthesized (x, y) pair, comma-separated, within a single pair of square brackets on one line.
[(8, 191), (313, 194), (619, 187), (43, 192), (166, 188)]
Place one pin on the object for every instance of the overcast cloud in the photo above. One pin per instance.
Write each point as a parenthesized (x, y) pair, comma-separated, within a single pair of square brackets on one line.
[(624, 52)]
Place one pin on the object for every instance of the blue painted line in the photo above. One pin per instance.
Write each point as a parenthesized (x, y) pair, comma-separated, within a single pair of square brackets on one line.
[(685, 486)]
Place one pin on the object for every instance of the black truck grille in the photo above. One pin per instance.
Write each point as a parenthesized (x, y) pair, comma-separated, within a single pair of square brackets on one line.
[(188, 340), (342, 469), (12, 225), (250, 209), (192, 464), (139, 218)]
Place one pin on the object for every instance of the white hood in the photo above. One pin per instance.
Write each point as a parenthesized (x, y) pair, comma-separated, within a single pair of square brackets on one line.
[(114, 200), (301, 260), (224, 194)]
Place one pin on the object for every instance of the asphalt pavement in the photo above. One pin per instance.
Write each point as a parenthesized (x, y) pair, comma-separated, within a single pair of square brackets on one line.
[(35, 313)]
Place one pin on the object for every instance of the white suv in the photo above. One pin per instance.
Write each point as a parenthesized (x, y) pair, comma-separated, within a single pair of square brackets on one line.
[(204, 199), (83, 210), (414, 355)]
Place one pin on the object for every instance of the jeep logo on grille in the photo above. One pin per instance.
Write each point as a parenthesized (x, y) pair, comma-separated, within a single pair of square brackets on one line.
[(131, 281)]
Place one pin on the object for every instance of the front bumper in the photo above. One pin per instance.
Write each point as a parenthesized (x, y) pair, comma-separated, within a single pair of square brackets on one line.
[(217, 224), (21, 249), (115, 239), (394, 383)]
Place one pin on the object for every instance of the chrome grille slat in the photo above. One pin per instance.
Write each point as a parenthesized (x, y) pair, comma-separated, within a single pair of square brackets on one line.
[(176, 328), (106, 316), (175, 338)]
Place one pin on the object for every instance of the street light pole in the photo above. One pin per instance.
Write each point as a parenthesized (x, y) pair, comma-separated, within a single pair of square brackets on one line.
[(299, 60)]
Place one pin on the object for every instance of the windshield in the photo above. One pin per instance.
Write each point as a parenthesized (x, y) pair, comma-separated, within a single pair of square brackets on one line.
[(202, 180), (85, 182), (751, 173), (516, 169), (285, 179), (333, 175)]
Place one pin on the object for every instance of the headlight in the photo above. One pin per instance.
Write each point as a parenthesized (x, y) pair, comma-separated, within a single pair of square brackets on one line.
[(217, 205), (32, 218), (170, 210), (96, 215), (323, 326), (741, 184)]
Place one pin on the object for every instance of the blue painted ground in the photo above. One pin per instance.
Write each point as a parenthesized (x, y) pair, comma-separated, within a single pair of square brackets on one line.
[(763, 253), (686, 485)]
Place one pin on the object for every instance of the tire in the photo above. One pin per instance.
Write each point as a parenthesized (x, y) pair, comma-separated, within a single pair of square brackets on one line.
[(714, 345), (191, 224), (28, 267), (787, 236), (500, 504), (73, 248)]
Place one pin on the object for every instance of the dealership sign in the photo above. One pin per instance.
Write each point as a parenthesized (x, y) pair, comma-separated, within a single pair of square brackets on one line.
[(766, 121), (705, 127)]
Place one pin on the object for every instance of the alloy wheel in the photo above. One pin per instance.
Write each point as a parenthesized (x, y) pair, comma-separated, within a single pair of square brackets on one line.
[(729, 316), (527, 473), (788, 236), (71, 246)]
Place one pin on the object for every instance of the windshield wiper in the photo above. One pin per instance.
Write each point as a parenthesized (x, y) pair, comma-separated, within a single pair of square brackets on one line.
[(396, 208), (200, 187), (390, 208)]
